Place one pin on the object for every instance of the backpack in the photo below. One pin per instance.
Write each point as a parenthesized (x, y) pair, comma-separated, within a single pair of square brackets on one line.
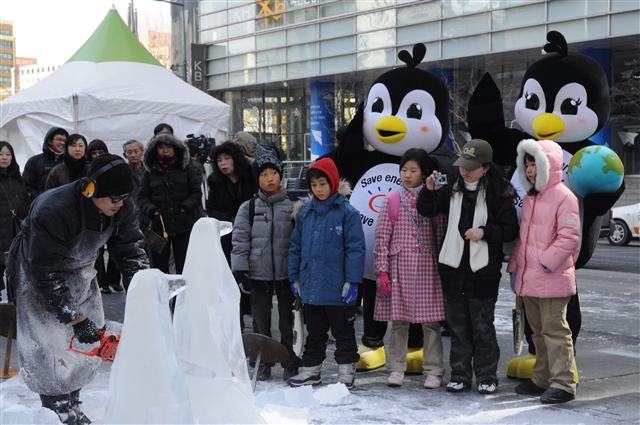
[(394, 206), (252, 211)]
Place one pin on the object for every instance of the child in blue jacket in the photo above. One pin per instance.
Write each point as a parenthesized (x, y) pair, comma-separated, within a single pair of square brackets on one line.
[(326, 264)]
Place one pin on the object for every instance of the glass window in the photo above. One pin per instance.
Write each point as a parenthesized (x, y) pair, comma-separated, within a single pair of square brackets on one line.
[(269, 14), (237, 63), (373, 4), (377, 20), (338, 28), (242, 78), (302, 69), (377, 39), (584, 29), (376, 58), (302, 15), (621, 5), (243, 13), (337, 8), (302, 34), (561, 10), (6, 44), (519, 38), (337, 46), (213, 35), (422, 32), (464, 7), (270, 40), (243, 28), (625, 23), (217, 82), (208, 6), (597, 7), (337, 64), (418, 13), (302, 52), (466, 25), (217, 67), (467, 46), (272, 73), (242, 45), (214, 20), (518, 16), (498, 4), (269, 57)]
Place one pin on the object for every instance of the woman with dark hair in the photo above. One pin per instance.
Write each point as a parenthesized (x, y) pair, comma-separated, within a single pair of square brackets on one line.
[(14, 201), (231, 182), (74, 165), (481, 216)]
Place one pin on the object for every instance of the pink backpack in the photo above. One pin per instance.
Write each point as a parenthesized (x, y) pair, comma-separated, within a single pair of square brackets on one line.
[(394, 206)]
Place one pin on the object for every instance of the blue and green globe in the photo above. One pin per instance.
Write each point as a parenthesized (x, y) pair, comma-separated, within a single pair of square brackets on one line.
[(595, 169)]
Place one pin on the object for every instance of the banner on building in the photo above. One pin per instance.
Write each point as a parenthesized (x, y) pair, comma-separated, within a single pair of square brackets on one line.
[(199, 66)]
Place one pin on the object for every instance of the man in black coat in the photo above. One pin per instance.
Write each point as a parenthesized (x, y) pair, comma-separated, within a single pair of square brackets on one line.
[(52, 261), (38, 166)]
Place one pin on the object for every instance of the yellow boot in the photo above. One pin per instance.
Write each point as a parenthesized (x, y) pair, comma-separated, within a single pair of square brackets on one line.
[(414, 360), (370, 358), (522, 367)]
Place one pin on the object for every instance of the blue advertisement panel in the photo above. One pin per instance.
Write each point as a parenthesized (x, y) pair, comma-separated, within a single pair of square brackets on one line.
[(603, 57), (323, 132)]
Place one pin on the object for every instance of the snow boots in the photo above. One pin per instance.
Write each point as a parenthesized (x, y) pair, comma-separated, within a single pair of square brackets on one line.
[(264, 372), (308, 376), (289, 372), (347, 374), (67, 407)]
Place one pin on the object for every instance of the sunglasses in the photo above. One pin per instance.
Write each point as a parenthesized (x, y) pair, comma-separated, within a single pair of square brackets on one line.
[(119, 198)]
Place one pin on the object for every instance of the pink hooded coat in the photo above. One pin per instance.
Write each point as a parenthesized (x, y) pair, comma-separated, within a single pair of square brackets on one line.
[(549, 227)]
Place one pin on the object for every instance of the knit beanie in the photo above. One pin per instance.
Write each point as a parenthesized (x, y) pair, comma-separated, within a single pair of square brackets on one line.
[(247, 143), (113, 181), (267, 156), (327, 167)]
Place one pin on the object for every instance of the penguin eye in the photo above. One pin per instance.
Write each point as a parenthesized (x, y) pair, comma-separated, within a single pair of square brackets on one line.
[(532, 101), (414, 111), (378, 105), (570, 106)]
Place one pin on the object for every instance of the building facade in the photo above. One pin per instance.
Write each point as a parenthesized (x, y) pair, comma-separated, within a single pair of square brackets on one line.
[(294, 71), (30, 75), (20, 61), (7, 57)]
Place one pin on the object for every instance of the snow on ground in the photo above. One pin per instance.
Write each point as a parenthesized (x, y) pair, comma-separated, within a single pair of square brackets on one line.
[(371, 401)]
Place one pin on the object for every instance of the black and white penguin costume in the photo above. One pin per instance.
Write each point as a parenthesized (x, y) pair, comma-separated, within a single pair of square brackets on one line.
[(564, 97), (405, 108)]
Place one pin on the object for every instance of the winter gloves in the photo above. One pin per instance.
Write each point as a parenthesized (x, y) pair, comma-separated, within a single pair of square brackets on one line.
[(244, 283), (349, 292), (384, 284), (86, 331), (295, 289)]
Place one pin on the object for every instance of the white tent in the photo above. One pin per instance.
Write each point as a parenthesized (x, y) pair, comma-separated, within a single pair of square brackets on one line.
[(113, 89)]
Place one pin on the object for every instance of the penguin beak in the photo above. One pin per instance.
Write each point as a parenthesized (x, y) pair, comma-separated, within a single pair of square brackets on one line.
[(547, 126), (390, 129)]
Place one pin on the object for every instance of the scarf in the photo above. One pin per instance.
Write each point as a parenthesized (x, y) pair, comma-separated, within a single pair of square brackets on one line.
[(453, 245), (168, 162)]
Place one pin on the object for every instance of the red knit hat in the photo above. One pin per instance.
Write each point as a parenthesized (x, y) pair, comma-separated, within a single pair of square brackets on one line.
[(327, 167)]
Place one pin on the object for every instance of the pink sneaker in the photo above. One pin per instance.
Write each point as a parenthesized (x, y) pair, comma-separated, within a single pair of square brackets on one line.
[(395, 379), (432, 382)]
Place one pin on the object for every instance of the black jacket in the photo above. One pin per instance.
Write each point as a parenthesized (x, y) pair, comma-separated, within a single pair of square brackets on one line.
[(226, 197), (13, 195), (502, 226), (175, 193), (55, 220), (39, 166), (61, 175)]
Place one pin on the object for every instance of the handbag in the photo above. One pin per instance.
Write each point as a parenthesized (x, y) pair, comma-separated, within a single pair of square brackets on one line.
[(156, 243)]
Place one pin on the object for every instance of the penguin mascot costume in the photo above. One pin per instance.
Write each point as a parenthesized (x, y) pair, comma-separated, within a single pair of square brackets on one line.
[(405, 108), (564, 97)]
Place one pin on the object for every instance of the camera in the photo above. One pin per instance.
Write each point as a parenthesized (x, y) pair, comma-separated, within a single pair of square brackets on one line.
[(200, 146), (441, 180)]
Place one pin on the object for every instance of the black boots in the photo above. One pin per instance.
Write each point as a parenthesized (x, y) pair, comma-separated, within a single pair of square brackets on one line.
[(67, 407)]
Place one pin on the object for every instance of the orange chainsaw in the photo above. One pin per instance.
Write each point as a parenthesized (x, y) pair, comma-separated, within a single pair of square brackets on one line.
[(109, 341)]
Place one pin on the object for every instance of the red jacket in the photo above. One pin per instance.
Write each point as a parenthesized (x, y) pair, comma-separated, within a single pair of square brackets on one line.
[(549, 227)]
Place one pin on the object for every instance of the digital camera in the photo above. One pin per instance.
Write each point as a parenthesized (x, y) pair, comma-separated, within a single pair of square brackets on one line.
[(441, 180)]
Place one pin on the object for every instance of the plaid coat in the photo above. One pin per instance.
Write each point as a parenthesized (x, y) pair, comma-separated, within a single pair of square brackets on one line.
[(416, 290)]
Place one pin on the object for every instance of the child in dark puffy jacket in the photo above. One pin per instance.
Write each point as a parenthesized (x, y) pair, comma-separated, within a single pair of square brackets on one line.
[(326, 264), (261, 234)]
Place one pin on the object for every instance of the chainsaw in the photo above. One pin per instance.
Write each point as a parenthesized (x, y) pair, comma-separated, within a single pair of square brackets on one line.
[(109, 341)]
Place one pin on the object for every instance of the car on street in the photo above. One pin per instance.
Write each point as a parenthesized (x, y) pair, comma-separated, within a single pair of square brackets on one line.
[(626, 224)]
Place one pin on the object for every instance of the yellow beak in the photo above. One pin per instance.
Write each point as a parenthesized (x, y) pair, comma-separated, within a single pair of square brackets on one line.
[(547, 126), (390, 129)]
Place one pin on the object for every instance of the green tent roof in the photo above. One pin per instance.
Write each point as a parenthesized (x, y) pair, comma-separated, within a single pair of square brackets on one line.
[(112, 41)]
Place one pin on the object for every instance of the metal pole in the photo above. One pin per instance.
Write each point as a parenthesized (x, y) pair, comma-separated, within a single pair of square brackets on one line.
[(184, 42)]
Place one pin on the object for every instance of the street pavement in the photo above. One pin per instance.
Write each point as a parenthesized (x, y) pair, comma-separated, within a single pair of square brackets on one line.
[(608, 348)]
